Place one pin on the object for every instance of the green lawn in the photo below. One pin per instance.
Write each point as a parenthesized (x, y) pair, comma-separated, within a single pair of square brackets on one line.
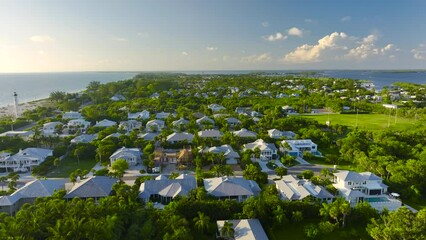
[(68, 165), (371, 121)]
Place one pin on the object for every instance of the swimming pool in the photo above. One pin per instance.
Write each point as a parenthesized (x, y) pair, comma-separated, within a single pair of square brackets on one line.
[(377, 199)]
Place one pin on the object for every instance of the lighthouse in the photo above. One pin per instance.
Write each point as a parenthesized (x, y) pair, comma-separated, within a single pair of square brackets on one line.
[(16, 105)]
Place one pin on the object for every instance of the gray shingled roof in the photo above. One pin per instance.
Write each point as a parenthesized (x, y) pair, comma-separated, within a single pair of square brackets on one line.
[(231, 186), (168, 187), (98, 186), (246, 229)]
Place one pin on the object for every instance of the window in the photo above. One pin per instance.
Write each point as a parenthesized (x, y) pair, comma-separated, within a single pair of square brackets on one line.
[(349, 183)]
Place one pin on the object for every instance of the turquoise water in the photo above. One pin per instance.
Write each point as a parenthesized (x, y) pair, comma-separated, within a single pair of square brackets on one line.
[(377, 199)]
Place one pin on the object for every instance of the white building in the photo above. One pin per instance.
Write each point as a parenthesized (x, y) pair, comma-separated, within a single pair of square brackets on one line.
[(204, 120), (72, 115), (154, 125), (180, 137), (210, 133), (84, 138), (216, 107), (78, 123), (268, 151), (233, 188), (230, 155), (49, 128), (244, 229), (105, 123), (293, 188), (138, 115), (180, 122), (244, 133), (26, 135), (131, 155), (25, 159), (366, 186), (130, 125), (296, 148)]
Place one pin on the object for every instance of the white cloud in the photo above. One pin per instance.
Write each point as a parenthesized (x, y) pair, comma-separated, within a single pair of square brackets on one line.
[(345, 18), (211, 49), (184, 53), (264, 57), (42, 38), (312, 53), (294, 31), (420, 52), (143, 34), (119, 39), (275, 37), (367, 48), (264, 24)]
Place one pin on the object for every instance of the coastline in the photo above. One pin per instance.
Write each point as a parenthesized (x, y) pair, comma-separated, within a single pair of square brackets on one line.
[(6, 111)]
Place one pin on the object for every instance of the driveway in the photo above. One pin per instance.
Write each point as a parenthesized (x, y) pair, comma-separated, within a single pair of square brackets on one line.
[(300, 168)]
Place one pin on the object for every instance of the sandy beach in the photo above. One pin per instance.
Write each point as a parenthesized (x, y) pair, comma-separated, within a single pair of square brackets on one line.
[(8, 110)]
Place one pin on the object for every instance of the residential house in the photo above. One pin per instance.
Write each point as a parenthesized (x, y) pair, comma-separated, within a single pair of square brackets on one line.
[(233, 188), (292, 188), (275, 133), (117, 97), (29, 193), (244, 133), (25, 159), (80, 124), (25, 135), (233, 121), (216, 107), (243, 110), (185, 157), (180, 122), (130, 125), (289, 110), (162, 115), (155, 95), (180, 137), (204, 120), (296, 148), (96, 187), (49, 128), (154, 125), (366, 186), (149, 136), (131, 155), (268, 151), (210, 133), (164, 190), (105, 123), (138, 115), (72, 115), (244, 229), (84, 138), (230, 155)]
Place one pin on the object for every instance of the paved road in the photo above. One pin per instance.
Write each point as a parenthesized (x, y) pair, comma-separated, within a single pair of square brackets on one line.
[(300, 168)]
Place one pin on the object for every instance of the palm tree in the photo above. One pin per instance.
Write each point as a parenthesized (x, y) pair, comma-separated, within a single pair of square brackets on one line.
[(227, 231), (201, 222)]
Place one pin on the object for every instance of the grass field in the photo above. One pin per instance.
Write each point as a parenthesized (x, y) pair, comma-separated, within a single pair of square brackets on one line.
[(371, 121), (69, 165)]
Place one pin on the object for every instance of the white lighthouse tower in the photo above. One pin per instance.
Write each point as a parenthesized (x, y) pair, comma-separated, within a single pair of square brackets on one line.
[(16, 105)]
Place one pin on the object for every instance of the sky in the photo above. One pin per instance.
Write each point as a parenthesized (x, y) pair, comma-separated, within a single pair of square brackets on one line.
[(184, 35)]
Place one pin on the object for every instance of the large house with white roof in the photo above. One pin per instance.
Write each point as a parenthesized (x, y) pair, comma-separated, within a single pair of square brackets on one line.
[(131, 155), (180, 122), (84, 138), (78, 124), (244, 229), (292, 188), (25, 159), (179, 137), (244, 133), (233, 188), (49, 128), (155, 125), (138, 115), (204, 120), (230, 155), (29, 193), (105, 123), (164, 190), (216, 107), (296, 148), (366, 186), (277, 134), (210, 133), (72, 115), (130, 125), (268, 151)]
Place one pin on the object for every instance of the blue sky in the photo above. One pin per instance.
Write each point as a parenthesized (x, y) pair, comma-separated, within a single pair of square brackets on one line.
[(92, 35)]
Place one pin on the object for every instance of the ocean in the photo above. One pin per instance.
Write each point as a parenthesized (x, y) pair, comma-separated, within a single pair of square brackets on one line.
[(34, 86)]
